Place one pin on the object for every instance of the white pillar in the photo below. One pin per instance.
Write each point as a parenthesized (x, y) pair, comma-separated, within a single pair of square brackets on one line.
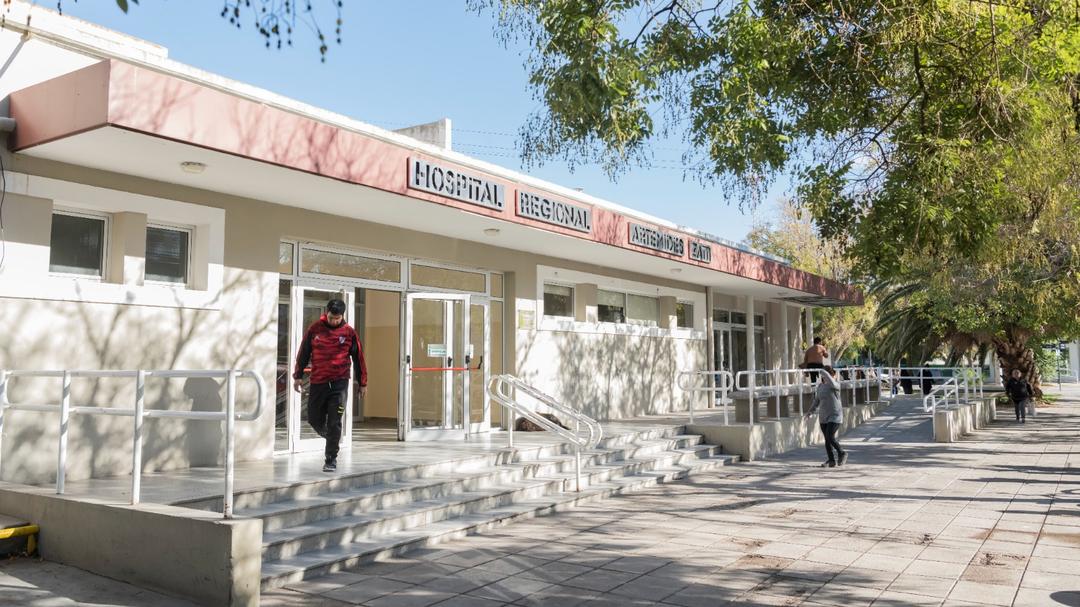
[(785, 362), (1074, 359), (710, 349), (809, 327), (750, 364)]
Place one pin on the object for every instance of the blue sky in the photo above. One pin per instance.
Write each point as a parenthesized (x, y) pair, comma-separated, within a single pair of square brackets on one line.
[(407, 62)]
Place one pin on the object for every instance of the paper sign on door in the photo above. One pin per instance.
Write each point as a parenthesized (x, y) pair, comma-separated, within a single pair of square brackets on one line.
[(436, 350)]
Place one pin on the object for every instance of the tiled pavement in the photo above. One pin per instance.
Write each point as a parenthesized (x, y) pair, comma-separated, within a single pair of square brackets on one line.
[(994, 520), (34, 583)]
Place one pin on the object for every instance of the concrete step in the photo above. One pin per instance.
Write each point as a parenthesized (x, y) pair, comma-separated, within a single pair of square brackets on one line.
[(334, 558), (281, 514), (317, 535), (254, 497)]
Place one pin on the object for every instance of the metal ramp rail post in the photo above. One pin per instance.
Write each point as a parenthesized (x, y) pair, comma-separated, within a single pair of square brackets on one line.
[(501, 389), (930, 401), (138, 413), (724, 387)]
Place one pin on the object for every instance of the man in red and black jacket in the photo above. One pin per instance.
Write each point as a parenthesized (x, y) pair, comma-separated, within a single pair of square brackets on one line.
[(329, 344)]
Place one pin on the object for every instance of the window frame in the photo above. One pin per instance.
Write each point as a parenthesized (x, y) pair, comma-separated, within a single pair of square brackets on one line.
[(573, 300), (625, 320), (644, 322), (690, 317), (106, 233), (186, 229)]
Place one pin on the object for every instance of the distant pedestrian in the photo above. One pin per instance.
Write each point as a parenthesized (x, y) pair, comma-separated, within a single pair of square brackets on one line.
[(927, 381), (814, 358), (1019, 391), (830, 412)]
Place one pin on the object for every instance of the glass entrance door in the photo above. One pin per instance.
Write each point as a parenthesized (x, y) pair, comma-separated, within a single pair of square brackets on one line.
[(309, 304), (437, 364), (479, 366), (721, 347)]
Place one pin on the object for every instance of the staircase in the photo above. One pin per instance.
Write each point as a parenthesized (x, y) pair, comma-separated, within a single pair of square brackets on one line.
[(317, 527)]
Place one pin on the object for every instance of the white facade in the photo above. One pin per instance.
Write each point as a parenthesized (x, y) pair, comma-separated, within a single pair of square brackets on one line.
[(135, 244)]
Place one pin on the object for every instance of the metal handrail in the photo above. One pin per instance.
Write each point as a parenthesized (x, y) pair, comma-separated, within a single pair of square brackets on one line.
[(786, 382), (970, 374), (65, 409), (724, 387), (930, 401), (499, 389)]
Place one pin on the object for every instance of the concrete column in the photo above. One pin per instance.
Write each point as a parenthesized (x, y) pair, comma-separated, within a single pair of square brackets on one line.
[(1074, 359), (585, 302), (785, 362), (809, 327), (710, 349), (750, 363), (127, 249), (668, 315)]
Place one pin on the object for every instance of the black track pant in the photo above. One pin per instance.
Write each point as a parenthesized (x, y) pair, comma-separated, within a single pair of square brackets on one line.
[(1021, 410), (326, 405), (829, 430)]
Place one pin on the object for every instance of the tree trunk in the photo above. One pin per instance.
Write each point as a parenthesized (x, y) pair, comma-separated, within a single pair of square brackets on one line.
[(1014, 353)]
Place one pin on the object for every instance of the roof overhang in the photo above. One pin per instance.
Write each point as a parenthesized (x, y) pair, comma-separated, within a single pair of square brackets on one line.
[(130, 119)]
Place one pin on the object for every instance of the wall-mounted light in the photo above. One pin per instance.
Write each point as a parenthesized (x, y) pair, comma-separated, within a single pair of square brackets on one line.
[(676, 270), (492, 231), (190, 166)]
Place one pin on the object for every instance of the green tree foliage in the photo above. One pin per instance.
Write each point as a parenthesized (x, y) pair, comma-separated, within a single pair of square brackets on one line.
[(791, 235), (935, 142)]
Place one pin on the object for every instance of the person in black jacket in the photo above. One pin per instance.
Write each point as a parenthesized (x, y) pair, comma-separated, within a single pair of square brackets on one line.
[(1019, 391)]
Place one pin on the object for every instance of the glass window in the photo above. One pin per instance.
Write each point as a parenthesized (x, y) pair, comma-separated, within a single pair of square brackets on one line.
[(738, 350), (443, 278), (281, 408), (496, 285), (167, 254), (759, 320), (285, 258), (610, 306), (352, 266), (558, 301), (738, 318), (643, 310), (684, 315), (761, 351), (77, 244), (720, 316)]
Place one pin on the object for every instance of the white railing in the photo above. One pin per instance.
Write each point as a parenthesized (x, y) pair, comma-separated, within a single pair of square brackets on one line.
[(139, 412), (723, 382), (778, 384), (503, 388), (943, 391), (970, 379)]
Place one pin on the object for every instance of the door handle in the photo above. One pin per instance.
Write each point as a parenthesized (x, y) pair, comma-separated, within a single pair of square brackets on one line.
[(408, 359), (468, 359)]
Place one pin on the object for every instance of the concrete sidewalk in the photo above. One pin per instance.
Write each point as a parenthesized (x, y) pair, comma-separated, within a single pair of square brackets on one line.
[(992, 520)]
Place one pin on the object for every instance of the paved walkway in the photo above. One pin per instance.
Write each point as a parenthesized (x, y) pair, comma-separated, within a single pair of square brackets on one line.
[(34, 583), (994, 520)]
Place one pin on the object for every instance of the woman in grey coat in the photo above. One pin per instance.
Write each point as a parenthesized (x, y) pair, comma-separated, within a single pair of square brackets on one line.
[(830, 415)]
